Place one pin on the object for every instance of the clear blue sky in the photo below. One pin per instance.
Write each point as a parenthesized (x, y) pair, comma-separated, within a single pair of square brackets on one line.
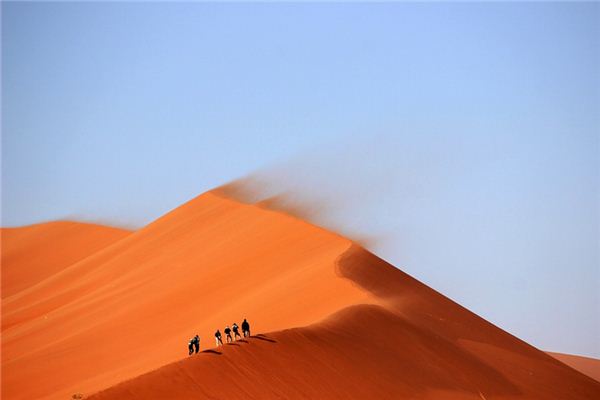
[(466, 135)]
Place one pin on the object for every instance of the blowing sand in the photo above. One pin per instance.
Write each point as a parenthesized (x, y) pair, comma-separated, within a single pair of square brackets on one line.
[(336, 321)]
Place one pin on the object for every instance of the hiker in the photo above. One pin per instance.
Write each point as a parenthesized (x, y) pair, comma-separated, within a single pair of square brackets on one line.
[(246, 328), (236, 334), (197, 343), (218, 338), (228, 333), (194, 345), (191, 347)]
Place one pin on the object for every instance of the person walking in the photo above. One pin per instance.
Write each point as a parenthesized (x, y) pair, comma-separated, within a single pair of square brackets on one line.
[(191, 347), (228, 333), (236, 333), (246, 328), (218, 338), (194, 345), (197, 343)]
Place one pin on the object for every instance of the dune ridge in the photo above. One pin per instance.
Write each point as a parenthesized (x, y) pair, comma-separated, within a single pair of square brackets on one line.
[(415, 344), (586, 365), (132, 306), (340, 322)]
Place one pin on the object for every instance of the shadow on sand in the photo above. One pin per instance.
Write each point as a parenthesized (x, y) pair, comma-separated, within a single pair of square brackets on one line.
[(263, 337), (211, 352)]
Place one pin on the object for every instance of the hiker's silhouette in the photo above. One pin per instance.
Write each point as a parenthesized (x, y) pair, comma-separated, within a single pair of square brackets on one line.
[(218, 338), (194, 344), (197, 343), (228, 333), (246, 328), (236, 334)]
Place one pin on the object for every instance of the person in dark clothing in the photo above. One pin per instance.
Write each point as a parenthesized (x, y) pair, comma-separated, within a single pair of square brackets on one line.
[(194, 345), (197, 343), (246, 328), (228, 333), (236, 333), (218, 338)]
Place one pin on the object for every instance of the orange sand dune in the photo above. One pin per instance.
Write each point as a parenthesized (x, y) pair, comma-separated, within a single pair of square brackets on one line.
[(586, 365), (131, 307), (361, 352), (33, 253)]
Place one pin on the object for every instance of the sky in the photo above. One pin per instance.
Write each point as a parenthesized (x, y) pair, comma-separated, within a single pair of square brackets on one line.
[(461, 140)]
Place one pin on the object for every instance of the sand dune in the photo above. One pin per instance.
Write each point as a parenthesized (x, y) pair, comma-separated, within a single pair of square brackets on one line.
[(33, 253), (586, 365), (415, 344), (361, 352), (132, 306), (343, 323)]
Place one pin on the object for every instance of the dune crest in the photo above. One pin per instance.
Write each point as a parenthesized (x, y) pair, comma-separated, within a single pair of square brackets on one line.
[(360, 352), (33, 253), (586, 365), (343, 323), (132, 306)]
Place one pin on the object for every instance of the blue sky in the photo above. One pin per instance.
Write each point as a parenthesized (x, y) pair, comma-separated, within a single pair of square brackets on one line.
[(465, 136)]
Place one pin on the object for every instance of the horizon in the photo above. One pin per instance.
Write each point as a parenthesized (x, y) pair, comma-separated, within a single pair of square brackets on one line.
[(466, 153)]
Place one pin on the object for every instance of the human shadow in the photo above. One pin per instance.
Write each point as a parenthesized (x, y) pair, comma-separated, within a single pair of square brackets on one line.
[(241, 340), (263, 337), (211, 351), (232, 344)]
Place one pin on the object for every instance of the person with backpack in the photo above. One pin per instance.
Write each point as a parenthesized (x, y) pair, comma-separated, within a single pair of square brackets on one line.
[(228, 333), (236, 334), (246, 328), (218, 338)]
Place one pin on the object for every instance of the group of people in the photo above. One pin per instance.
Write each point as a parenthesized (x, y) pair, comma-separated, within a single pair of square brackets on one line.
[(194, 343), (236, 334)]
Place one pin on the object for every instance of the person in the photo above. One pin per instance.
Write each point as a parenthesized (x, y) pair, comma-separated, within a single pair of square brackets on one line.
[(191, 347), (197, 343), (246, 328), (218, 338), (228, 333), (236, 334), (194, 345)]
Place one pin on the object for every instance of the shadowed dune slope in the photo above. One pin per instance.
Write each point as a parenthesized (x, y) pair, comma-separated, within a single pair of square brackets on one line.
[(586, 365), (344, 323), (415, 344), (33, 253)]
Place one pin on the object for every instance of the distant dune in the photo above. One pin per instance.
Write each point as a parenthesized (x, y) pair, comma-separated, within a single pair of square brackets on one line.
[(589, 366), (33, 253), (337, 321)]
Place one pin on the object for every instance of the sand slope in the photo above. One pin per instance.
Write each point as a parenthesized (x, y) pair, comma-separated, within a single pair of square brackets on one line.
[(132, 306), (33, 253), (586, 365), (415, 344), (343, 323), (361, 352)]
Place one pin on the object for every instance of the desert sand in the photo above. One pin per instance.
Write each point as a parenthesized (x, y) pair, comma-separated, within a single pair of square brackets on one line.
[(33, 253), (587, 365), (113, 321)]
